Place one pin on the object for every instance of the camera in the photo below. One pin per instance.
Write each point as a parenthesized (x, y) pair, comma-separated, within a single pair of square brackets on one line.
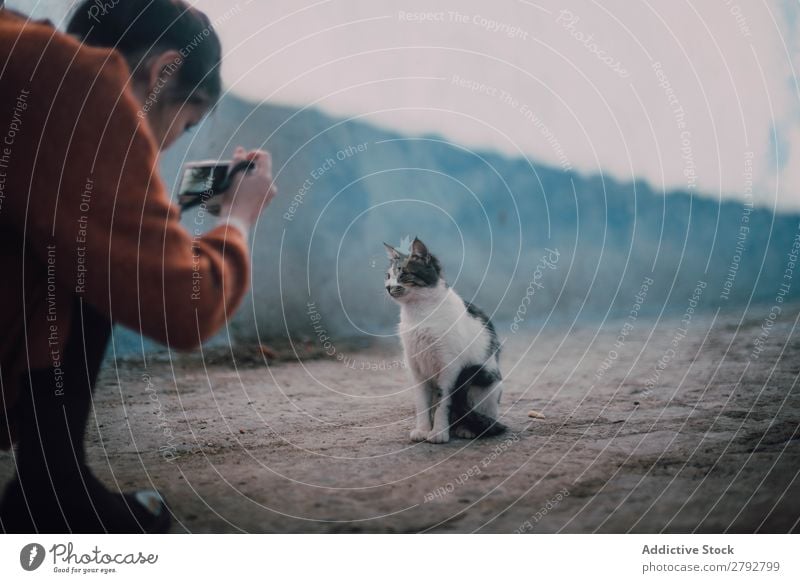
[(202, 181)]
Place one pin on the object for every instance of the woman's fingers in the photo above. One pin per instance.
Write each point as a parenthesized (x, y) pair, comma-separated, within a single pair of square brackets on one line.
[(262, 161), (251, 191), (239, 154)]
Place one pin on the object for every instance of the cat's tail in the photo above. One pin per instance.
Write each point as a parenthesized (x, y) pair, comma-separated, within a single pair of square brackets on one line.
[(461, 413), (481, 425)]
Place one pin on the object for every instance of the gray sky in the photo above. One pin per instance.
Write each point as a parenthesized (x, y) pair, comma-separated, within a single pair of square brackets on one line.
[(682, 94)]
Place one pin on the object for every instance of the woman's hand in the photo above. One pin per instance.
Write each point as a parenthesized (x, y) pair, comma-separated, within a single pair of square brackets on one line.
[(250, 191)]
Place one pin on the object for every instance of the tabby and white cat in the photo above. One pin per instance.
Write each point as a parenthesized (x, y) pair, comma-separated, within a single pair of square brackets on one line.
[(451, 350)]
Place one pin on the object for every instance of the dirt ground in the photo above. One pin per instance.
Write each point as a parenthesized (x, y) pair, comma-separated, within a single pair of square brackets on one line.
[(656, 429)]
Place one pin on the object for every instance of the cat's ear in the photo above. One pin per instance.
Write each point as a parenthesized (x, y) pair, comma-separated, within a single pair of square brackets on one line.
[(391, 252), (418, 249)]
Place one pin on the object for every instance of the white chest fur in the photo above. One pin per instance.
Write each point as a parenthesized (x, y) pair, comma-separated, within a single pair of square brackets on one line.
[(439, 334)]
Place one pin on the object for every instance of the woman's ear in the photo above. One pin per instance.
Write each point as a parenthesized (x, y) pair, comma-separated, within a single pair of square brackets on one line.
[(162, 68)]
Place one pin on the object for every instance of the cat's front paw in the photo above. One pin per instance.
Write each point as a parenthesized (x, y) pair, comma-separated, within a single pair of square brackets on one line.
[(438, 436), (419, 435)]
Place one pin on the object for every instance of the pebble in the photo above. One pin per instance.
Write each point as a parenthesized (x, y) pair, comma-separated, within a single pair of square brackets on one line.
[(535, 414)]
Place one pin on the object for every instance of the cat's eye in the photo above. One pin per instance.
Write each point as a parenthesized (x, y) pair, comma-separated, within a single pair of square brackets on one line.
[(387, 276)]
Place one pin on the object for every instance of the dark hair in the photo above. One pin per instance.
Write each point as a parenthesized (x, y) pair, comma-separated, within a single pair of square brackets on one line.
[(140, 29)]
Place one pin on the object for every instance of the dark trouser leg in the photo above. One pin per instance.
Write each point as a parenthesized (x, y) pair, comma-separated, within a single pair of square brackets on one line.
[(54, 490), (57, 404)]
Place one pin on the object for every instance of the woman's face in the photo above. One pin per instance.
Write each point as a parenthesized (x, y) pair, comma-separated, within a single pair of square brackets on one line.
[(170, 121), (168, 118)]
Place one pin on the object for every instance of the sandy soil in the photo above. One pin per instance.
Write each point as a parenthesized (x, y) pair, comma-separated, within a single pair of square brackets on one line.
[(322, 445)]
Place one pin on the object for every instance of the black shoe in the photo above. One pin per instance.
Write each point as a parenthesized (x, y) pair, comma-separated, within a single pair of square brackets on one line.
[(89, 508)]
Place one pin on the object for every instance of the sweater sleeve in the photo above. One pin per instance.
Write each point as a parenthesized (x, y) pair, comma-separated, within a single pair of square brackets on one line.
[(99, 213)]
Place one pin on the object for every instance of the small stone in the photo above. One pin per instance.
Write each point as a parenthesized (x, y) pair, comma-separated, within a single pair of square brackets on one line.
[(535, 414)]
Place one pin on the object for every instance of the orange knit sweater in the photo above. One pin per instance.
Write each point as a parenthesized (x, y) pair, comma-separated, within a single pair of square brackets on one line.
[(84, 213)]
